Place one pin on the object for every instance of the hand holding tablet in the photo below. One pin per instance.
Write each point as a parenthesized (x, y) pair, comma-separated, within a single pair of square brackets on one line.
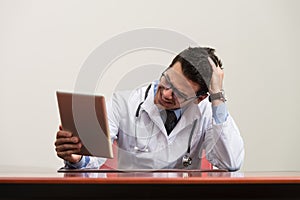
[(85, 117)]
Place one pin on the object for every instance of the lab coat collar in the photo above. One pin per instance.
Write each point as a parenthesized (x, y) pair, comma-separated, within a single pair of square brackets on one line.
[(152, 110), (189, 115)]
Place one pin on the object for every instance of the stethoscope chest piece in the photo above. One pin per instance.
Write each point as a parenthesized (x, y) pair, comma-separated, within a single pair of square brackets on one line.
[(186, 160)]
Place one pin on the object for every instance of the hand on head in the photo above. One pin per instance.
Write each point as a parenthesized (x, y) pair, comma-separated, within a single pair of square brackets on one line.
[(216, 82)]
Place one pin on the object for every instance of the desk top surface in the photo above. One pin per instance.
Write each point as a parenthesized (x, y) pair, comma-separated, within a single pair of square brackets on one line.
[(142, 177)]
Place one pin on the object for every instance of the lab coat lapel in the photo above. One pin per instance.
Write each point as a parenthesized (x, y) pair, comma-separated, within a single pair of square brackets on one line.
[(189, 115), (152, 110)]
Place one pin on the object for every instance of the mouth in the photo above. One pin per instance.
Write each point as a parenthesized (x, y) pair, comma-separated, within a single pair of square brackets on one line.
[(166, 103)]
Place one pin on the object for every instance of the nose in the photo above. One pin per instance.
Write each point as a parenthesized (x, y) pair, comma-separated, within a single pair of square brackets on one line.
[(168, 93)]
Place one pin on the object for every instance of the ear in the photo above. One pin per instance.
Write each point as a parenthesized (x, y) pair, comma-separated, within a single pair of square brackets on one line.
[(200, 98)]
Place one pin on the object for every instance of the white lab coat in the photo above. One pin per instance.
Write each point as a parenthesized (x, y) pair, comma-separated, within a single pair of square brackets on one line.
[(222, 142)]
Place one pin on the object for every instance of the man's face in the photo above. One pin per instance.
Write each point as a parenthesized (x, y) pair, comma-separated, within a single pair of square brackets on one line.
[(174, 89)]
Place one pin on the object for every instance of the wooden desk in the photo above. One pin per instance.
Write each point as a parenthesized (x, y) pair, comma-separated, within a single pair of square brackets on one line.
[(156, 185)]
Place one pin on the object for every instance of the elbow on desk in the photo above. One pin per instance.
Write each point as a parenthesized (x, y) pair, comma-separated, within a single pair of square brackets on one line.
[(229, 167), (231, 163), (235, 163), (233, 168)]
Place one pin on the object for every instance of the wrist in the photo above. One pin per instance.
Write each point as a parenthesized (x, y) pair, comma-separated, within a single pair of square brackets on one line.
[(217, 97), (75, 159), (80, 164), (217, 102)]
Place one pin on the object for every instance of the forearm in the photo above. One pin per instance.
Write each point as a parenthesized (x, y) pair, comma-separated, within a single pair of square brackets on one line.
[(86, 162), (224, 145), (78, 165)]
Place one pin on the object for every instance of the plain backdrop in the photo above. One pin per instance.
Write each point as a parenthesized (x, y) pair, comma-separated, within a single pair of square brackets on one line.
[(43, 45)]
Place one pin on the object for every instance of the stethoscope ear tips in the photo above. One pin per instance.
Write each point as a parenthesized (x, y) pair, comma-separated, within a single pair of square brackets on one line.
[(186, 161)]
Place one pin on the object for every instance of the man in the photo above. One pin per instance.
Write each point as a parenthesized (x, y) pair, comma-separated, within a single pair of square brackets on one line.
[(173, 122)]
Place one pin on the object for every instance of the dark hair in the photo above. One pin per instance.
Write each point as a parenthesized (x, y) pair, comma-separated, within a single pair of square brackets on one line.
[(192, 73)]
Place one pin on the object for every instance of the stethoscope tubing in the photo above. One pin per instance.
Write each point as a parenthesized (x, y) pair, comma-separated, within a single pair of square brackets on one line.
[(145, 149)]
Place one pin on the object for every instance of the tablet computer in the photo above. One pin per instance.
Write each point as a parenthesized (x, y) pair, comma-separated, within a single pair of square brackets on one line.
[(85, 116)]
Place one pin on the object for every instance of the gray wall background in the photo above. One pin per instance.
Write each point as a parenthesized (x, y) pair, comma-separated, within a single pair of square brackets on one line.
[(43, 45)]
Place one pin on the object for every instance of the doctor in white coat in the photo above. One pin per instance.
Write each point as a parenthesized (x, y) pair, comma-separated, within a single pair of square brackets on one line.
[(191, 88)]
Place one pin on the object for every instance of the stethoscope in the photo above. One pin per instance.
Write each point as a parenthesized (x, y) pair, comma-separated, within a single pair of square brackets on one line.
[(186, 159)]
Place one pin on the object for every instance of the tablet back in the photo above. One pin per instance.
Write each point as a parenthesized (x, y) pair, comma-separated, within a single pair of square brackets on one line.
[(86, 117)]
